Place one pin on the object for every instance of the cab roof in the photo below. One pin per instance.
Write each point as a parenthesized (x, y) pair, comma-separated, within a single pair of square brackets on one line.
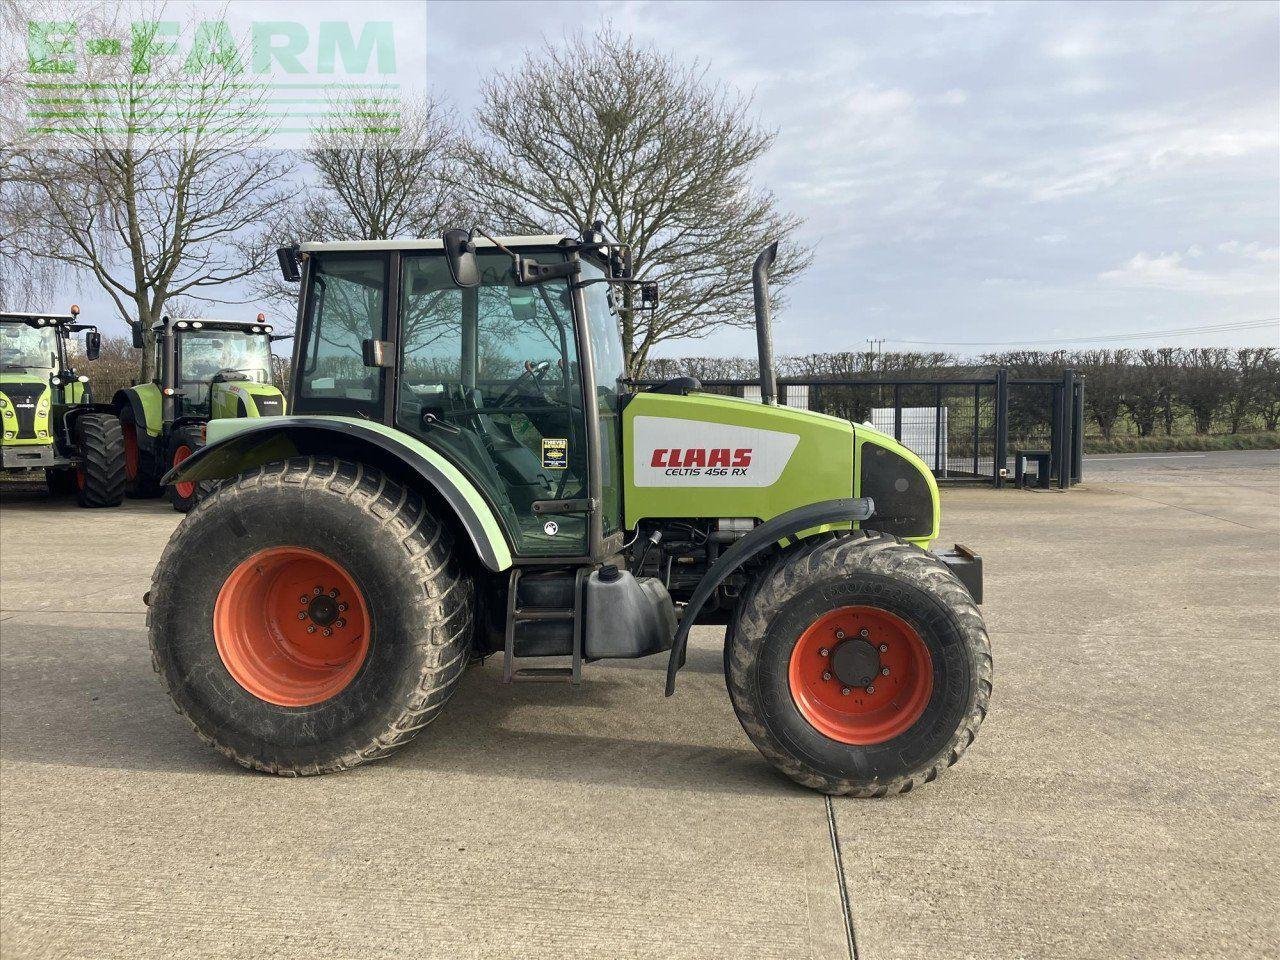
[(263, 326), (408, 243), (13, 316)]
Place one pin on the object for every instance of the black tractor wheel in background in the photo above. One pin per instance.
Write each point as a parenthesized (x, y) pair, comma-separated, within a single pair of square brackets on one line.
[(100, 474), (141, 470), (61, 481), (859, 664), (310, 616), (186, 441)]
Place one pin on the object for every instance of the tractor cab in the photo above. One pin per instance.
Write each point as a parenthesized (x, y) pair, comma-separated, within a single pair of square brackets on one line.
[(204, 369), (517, 383)]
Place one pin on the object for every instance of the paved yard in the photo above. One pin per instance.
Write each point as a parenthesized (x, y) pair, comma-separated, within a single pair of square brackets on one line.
[(1119, 802)]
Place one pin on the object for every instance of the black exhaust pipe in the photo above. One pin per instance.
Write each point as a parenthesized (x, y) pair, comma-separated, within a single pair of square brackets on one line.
[(764, 336)]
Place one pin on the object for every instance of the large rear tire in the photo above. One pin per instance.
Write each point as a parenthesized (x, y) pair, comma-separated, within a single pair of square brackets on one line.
[(859, 664), (282, 678), (100, 471)]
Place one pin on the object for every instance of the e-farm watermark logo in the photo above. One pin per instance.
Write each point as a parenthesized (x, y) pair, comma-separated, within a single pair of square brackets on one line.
[(278, 79)]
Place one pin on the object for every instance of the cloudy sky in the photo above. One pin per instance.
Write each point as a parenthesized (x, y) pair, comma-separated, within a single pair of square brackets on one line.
[(982, 172), (979, 173)]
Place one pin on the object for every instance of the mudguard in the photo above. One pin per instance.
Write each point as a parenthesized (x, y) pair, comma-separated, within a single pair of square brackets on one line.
[(239, 444), (793, 523)]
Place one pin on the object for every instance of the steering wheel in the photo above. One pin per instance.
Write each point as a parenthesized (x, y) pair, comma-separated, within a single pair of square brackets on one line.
[(534, 373)]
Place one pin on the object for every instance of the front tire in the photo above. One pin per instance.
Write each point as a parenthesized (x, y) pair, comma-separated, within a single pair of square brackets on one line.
[(141, 472), (235, 593), (100, 472), (186, 494), (859, 665)]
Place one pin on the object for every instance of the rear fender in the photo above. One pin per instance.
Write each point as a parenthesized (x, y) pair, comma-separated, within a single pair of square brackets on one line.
[(797, 523), (145, 403), (237, 445)]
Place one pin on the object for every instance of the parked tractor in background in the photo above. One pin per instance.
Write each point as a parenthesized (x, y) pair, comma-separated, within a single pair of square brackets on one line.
[(467, 472), (50, 421), (204, 370)]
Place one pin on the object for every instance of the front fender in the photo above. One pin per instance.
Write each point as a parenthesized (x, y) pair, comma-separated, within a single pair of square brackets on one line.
[(237, 445), (793, 523)]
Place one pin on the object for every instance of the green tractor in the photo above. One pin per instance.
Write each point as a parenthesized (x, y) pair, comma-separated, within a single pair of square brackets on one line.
[(49, 418), (204, 370), (467, 471)]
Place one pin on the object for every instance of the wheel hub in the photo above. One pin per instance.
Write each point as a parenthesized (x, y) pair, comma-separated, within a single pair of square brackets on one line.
[(856, 663), (322, 610)]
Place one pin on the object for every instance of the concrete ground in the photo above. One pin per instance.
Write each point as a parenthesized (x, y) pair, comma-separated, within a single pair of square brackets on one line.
[(1120, 800)]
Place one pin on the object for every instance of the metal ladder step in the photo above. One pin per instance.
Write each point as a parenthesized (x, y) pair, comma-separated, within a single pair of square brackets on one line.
[(515, 615)]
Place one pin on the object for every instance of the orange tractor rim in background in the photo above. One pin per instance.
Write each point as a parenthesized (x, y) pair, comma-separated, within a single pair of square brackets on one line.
[(185, 488), (860, 675), (291, 626), (130, 450)]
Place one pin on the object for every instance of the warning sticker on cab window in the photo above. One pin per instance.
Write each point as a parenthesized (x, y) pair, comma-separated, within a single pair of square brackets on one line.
[(555, 453)]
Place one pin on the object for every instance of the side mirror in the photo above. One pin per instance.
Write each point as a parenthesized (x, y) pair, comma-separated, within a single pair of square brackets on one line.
[(92, 345), (290, 263), (377, 353), (137, 335), (649, 295), (460, 253), (620, 267)]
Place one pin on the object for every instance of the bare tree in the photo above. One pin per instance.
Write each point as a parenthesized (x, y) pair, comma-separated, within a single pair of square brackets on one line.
[(607, 129), (155, 193), (375, 178)]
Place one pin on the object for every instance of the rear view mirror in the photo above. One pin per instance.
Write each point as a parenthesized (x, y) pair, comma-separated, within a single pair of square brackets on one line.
[(460, 253), (377, 353), (620, 263), (290, 263), (92, 345), (649, 295), (137, 336)]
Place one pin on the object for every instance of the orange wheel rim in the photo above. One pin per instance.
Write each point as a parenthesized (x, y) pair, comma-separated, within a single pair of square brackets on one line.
[(80, 478), (860, 675), (130, 433), (186, 488), (291, 626)]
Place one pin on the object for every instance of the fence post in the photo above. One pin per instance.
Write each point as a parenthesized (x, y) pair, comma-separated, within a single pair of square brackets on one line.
[(1066, 419), (1077, 448), (939, 458), (1001, 458), (977, 406), (897, 412)]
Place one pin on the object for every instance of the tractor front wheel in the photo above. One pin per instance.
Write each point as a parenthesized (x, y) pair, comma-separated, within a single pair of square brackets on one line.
[(187, 493), (141, 472), (859, 664), (310, 616), (100, 470)]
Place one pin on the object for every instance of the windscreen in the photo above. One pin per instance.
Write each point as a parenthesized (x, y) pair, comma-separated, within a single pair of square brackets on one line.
[(30, 349)]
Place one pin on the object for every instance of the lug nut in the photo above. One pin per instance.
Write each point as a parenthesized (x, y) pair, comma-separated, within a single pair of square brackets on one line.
[(864, 632), (884, 671), (317, 591), (302, 615), (884, 647), (839, 634), (304, 599), (342, 608), (311, 629), (333, 594), (328, 632), (871, 688), (342, 623), (826, 675), (845, 691), (824, 652)]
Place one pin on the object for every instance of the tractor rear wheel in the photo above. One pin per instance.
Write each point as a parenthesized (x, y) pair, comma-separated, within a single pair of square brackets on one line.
[(310, 616), (859, 664), (186, 494), (141, 472), (100, 471)]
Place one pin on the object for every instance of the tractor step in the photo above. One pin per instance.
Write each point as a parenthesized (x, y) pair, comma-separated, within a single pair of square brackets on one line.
[(553, 590)]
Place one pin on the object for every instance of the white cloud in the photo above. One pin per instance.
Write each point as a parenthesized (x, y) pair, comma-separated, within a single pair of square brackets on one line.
[(1170, 271)]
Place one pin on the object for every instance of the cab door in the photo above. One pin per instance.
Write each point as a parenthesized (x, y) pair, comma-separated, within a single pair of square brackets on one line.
[(490, 376)]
